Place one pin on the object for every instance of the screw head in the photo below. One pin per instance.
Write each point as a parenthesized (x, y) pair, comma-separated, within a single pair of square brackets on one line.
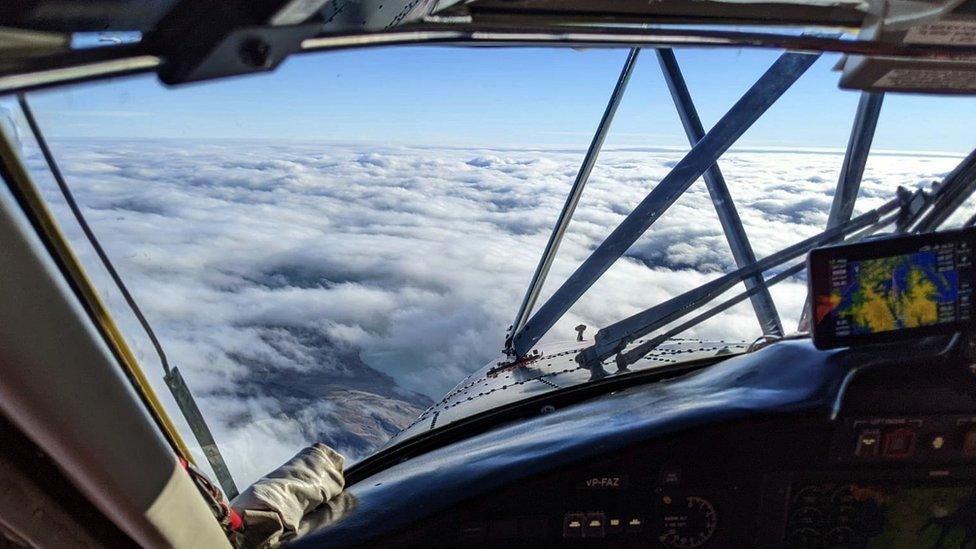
[(256, 53)]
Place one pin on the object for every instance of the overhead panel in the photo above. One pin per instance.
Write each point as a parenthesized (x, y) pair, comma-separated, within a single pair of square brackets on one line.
[(83, 15), (943, 25), (815, 12)]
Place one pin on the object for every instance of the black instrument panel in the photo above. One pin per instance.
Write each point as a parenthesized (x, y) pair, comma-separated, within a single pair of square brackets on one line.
[(782, 447), (776, 487), (908, 509)]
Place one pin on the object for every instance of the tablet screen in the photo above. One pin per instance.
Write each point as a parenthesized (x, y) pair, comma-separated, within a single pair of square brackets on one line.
[(885, 289)]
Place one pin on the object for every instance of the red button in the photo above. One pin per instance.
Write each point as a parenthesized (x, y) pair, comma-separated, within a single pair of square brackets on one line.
[(969, 444), (899, 444)]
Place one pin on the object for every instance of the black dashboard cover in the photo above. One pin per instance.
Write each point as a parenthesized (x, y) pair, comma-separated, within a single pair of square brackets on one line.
[(788, 376)]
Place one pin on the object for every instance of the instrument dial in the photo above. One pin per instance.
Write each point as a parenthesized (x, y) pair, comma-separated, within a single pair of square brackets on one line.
[(687, 522)]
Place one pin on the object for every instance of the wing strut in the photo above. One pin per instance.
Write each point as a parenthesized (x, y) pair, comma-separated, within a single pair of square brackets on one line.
[(903, 211), (545, 263), (852, 170), (855, 158), (614, 338), (770, 86), (742, 252)]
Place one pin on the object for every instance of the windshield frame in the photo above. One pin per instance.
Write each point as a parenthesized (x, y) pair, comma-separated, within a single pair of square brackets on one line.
[(664, 371), (74, 66)]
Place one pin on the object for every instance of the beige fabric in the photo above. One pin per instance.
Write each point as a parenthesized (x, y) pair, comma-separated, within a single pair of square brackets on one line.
[(183, 517), (329, 513), (273, 507)]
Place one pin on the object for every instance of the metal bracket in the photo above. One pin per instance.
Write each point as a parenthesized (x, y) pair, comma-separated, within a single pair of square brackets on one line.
[(912, 205), (242, 51), (194, 417), (198, 40)]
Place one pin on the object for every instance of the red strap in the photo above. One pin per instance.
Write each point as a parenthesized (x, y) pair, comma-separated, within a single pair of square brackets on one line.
[(236, 522), (229, 518)]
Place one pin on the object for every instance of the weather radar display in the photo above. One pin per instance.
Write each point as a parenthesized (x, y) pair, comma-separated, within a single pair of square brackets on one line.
[(878, 295), (858, 292)]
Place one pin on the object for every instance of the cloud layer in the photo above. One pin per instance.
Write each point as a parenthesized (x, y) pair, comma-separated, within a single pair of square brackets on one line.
[(264, 263)]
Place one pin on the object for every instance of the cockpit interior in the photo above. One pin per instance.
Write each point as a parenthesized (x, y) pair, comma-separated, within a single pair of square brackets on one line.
[(856, 430)]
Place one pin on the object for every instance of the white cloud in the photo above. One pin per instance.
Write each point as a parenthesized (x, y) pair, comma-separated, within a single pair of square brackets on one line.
[(416, 257)]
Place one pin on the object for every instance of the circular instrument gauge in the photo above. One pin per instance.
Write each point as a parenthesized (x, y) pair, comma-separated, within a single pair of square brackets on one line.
[(687, 522)]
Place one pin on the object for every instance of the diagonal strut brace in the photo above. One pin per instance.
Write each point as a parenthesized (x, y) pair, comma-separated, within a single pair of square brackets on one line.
[(852, 170), (582, 176), (729, 218), (770, 86)]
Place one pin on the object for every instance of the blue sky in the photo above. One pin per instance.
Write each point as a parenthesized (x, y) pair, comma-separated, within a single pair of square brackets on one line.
[(493, 97)]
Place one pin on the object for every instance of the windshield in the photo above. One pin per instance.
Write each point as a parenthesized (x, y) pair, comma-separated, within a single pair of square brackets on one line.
[(327, 250)]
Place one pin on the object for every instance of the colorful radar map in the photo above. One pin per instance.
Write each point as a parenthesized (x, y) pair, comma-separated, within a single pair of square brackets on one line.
[(893, 293)]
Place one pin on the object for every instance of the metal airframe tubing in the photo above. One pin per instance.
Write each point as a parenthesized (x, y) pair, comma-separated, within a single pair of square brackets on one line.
[(101, 63), (594, 36), (852, 170), (955, 189), (613, 338), (780, 76), (855, 158), (729, 218), (627, 358), (545, 262)]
